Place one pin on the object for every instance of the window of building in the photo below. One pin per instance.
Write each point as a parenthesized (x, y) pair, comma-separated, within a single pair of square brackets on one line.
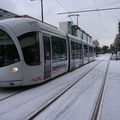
[(29, 43), (84, 36)]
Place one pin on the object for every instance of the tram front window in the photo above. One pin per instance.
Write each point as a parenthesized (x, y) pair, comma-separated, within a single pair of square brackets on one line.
[(8, 51), (29, 43)]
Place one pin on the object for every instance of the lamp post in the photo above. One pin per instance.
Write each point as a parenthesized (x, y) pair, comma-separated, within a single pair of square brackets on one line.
[(41, 10)]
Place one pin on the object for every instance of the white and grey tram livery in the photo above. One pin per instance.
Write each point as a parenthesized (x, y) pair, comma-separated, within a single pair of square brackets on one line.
[(32, 52)]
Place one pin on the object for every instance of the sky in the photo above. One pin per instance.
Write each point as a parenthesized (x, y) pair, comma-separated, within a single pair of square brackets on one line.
[(102, 25)]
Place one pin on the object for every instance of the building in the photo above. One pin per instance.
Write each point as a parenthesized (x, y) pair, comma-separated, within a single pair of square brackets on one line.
[(117, 42), (68, 27), (96, 43), (4, 14)]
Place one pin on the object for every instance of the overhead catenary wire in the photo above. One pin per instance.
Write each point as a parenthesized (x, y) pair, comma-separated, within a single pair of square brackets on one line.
[(100, 18), (72, 14), (91, 10), (64, 8)]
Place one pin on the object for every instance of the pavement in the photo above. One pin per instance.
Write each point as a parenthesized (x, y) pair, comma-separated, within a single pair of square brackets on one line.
[(110, 107)]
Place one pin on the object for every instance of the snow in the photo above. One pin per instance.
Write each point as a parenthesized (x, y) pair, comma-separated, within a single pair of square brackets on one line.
[(25, 103), (4, 93), (102, 57), (77, 103), (110, 107)]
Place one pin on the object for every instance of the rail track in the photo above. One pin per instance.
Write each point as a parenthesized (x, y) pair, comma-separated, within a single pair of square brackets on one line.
[(100, 95), (6, 93), (31, 116), (50, 101)]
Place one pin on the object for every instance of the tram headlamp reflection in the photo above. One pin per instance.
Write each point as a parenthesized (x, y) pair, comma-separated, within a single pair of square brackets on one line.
[(14, 69)]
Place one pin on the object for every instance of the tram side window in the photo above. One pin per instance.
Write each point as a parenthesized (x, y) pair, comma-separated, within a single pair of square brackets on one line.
[(59, 49), (79, 50), (29, 43), (90, 51), (76, 50), (85, 50), (73, 50)]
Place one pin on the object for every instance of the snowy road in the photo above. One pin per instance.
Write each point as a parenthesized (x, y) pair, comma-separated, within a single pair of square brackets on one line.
[(20, 106)]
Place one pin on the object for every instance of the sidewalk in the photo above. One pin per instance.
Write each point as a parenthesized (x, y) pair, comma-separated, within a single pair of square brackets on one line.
[(110, 107), (115, 56)]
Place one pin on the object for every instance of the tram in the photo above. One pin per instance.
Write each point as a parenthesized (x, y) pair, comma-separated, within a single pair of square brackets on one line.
[(32, 52)]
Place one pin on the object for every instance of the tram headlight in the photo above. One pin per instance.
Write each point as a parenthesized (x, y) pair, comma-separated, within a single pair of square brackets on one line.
[(14, 69)]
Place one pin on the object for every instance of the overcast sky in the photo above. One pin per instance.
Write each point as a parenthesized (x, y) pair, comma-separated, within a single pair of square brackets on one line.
[(102, 26)]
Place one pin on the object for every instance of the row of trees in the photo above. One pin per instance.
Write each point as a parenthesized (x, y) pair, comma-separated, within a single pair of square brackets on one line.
[(114, 48), (101, 50)]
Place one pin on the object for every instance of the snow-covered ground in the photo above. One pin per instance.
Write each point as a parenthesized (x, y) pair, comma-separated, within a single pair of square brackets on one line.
[(23, 104), (110, 107), (77, 103), (102, 57)]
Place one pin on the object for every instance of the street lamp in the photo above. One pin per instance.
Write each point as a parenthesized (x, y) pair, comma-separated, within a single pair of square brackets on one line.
[(41, 9)]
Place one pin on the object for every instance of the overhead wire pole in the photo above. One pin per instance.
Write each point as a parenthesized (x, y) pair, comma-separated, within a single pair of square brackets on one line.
[(42, 10), (42, 16), (74, 15)]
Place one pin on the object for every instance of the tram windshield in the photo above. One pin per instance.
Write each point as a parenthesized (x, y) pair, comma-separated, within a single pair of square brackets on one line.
[(8, 51)]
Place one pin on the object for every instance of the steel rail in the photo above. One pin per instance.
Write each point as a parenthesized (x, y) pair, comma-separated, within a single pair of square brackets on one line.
[(39, 110), (100, 96), (16, 93)]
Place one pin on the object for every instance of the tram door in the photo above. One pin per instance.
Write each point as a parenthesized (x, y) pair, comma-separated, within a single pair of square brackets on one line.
[(47, 56)]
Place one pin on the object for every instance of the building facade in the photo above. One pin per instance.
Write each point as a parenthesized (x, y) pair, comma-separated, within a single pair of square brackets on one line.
[(117, 42), (68, 27), (4, 14)]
